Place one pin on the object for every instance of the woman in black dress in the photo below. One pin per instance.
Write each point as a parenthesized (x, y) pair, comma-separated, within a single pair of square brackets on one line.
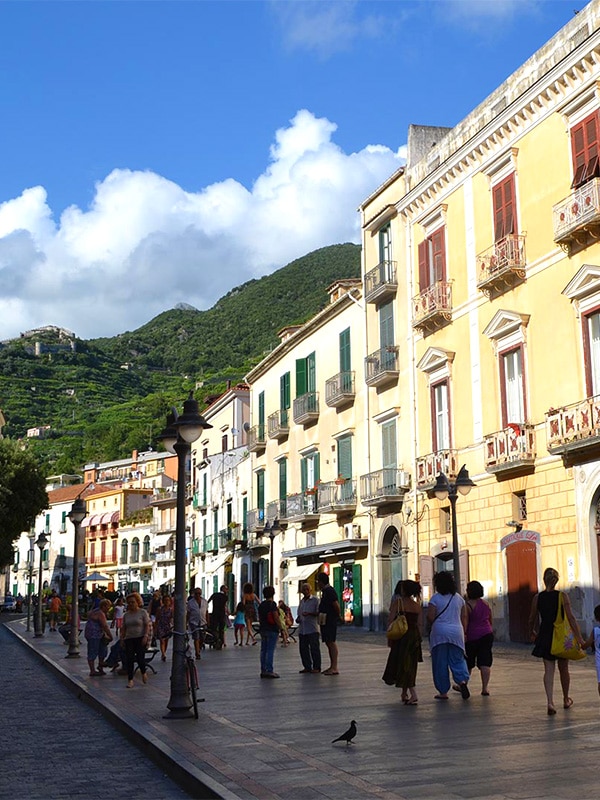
[(544, 609), (405, 653)]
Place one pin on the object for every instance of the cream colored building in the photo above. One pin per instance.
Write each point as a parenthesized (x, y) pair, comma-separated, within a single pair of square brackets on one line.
[(492, 231)]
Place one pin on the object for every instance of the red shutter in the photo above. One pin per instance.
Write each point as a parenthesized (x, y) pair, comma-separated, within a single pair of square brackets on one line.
[(423, 265), (438, 248), (578, 154), (505, 221), (584, 150)]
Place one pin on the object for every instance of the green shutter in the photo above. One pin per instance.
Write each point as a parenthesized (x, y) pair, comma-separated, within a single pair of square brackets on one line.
[(357, 612), (317, 466), (261, 413), (311, 373), (215, 583), (388, 445), (344, 456), (303, 475), (282, 479), (301, 377), (338, 586), (385, 244), (260, 489), (345, 358), (231, 591), (284, 391), (386, 325)]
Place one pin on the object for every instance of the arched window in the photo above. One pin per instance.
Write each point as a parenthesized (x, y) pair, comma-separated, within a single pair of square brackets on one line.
[(135, 550), (124, 552), (146, 549)]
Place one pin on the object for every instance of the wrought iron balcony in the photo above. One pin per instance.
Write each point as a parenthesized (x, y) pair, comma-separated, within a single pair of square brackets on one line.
[(576, 219), (430, 466), (199, 501), (432, 308), (230, 536), (510, 450), (502, 265), (574, 431), (256, 439), (210, 543), (278, 424), (306, 408), (382, 366), (381, 283), (258, 542), (303, 506), (167, 555), (384, 486), (337, 497), (277, 509), (340, 390), (255, 519)]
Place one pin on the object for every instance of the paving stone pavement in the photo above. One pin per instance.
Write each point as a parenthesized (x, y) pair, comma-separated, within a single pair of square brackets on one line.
[(272, 739), (46, 729)]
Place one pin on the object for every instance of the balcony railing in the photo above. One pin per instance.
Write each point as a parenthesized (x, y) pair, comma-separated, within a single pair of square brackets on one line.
[(502, 265), (432, 308), (303, 506), (384, 486), (306, 408), (256, 439), (381, 282), (510, 449), (277, 509), (256, 541), (430, 466), (575, 429), (255, 519), (199, 501), (382, 366), (340, 390), (578, 215), (231, 536), (337, 496), (210, 543), (166, 555), (278, 424)]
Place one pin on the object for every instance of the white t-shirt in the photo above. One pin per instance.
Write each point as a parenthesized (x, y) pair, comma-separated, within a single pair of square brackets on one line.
[(447, 629)]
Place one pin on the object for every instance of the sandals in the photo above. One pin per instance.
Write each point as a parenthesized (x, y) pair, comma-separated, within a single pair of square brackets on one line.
[(412, 702), (551, 711), (568, 703)]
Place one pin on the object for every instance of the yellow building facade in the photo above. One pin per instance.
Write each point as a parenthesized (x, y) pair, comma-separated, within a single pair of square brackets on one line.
[(488, 243)]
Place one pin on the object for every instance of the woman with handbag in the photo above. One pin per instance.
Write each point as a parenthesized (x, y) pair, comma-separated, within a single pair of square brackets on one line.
[(447, 618), (405, 652), (544, 611)]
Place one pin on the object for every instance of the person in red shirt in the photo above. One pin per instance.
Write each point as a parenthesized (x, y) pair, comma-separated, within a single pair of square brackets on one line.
[(54, 606)]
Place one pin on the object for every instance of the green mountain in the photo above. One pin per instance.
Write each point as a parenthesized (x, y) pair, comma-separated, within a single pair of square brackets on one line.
[(102, 398)]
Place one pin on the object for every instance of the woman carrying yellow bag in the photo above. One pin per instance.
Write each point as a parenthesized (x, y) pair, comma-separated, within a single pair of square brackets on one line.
[(548, 607)]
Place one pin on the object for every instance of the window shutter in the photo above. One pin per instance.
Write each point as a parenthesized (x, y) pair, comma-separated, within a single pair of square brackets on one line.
[(344, 456), (584, 150), (301, 379), (284, 391), (423, 265), (260, 489), (357, 594), (303, 475), (504, 208), (386, 325), (311, 373), (438, 252), (317, 466), (388, 445), (345, 361), (338, 585), (261, 413), (282, 479)]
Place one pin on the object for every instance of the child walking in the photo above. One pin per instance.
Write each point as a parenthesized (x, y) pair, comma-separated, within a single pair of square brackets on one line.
[(239, 624), (593, 640)]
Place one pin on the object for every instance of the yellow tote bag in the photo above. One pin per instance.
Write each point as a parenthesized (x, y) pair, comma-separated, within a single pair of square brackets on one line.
[(564, 644)]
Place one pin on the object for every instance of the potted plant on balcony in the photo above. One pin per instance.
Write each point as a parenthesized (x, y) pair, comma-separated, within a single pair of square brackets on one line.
[(313, 489), (340, 480)]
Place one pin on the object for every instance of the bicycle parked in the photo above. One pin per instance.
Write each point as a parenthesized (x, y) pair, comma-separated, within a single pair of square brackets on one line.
[(191, 672)]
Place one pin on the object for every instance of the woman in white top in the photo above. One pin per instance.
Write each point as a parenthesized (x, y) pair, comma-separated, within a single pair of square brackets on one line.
[(447, 618)]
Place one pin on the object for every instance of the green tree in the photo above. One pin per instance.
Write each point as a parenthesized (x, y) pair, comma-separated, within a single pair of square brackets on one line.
[(22, 495)]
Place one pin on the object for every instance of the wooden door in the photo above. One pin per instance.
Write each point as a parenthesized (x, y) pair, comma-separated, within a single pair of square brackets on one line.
[(521, 568)]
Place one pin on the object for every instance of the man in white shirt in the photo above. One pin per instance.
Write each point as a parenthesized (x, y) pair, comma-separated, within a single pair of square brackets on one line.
[(197, 618)]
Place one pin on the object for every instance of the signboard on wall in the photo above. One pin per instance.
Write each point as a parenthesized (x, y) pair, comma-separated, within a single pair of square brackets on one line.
[(520, 536)]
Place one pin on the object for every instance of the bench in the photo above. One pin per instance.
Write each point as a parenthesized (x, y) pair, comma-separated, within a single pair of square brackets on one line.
[(291, 630), (149, 657)]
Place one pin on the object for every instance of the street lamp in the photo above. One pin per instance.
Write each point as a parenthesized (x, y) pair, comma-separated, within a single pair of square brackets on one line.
[(30, 559), (271, 530), (177, 438), (447, 489), (76, 515), (38, 624)]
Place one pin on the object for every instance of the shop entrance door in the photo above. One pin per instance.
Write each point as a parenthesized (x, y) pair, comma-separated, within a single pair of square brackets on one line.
[(521, 569)]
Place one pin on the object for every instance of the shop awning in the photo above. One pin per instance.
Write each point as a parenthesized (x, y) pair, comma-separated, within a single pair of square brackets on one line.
[(216, 563), (161, 539), (301, 573), (109, 518)]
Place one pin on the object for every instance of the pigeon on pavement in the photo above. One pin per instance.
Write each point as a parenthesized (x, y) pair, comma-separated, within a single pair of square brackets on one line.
[(348, 735)]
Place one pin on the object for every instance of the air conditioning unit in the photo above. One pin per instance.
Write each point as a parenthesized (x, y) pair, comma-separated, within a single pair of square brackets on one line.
[(403, 480), (351, 531)]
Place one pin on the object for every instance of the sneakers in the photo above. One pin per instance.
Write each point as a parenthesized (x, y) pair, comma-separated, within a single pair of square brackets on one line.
[(269, 675)]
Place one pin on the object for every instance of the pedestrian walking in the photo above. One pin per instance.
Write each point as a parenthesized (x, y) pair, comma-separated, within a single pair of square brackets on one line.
[(164, 625), (135, 637), (329, 617), (479, 636), (239, 624), (308, 631), (118, 611), (251, 602), (197, 618), (219, 614), (270, 625), (544, 610), (54, 606), (447, 617), (98, 636), (405, 653)]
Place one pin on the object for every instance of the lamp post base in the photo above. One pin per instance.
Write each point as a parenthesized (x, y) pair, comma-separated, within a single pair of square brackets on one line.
[(73, 655), (180, 713)]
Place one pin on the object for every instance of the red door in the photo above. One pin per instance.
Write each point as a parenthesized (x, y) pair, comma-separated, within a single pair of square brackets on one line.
[(521, 567)]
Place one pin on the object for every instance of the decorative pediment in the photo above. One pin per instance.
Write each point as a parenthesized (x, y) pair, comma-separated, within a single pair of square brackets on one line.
[(435, 358), (433, 218), (504, 323), (584, 283)]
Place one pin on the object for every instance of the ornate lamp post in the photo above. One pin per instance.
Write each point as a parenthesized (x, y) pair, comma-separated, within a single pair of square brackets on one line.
[(177, 438), (30, 559), (76, 515), (446, 489), (38, 623), (271, 530)]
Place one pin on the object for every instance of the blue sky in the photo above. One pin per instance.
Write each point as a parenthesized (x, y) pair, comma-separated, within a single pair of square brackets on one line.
[(160, 151)]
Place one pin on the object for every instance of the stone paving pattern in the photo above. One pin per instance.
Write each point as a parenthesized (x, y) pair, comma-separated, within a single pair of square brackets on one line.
[(272, 739)]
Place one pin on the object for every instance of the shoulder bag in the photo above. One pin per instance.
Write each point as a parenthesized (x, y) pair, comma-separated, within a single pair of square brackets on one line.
[(399, 625), (564, 644)]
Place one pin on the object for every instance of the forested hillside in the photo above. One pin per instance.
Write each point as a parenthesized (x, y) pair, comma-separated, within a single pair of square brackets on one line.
[(104, 397)]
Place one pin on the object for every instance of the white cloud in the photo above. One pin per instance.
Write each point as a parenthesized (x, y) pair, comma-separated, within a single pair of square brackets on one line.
[(145, 244)]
